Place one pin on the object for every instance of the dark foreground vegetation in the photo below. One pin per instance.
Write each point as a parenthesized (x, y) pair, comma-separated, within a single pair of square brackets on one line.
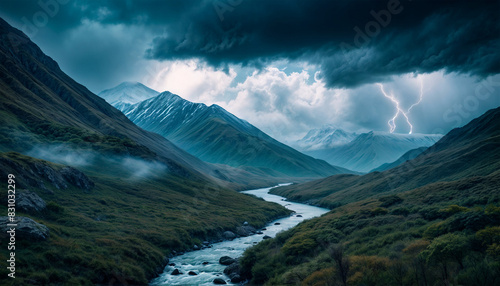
[(435, 235), (119, 230), (434, 220)]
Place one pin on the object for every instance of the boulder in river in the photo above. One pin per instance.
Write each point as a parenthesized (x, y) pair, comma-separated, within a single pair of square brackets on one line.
[(219, 281), (277, 223), (192, 273), (236, 278), (298, 215), (245, 230), (232, 270), (229, 235), (226, 260), (266, 237), (205, 263), (176, 272)]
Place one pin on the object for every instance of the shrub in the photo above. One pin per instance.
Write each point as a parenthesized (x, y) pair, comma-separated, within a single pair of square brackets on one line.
[(390, 201), (379, 211), (400, 211), (299, 245), (453, 209)]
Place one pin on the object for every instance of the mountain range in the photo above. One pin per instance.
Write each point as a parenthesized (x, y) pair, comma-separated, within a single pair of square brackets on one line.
[(466, 152), (430, 220), (324, 138), (365, 151), (109, 187), (94, 190), (214, 135)]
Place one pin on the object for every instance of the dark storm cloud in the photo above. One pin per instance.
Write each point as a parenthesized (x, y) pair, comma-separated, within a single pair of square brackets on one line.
[(353, 42)]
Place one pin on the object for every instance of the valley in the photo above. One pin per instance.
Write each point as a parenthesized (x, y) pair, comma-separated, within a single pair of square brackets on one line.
[(250, 143)]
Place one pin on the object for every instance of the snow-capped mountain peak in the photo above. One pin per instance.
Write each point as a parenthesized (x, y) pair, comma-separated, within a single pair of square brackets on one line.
[(323, 138), (128, 93)]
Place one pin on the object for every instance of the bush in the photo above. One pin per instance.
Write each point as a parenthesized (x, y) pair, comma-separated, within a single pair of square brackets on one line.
[(401, 211), (453, 209), (299, 245), (390, 201), (379, 211)]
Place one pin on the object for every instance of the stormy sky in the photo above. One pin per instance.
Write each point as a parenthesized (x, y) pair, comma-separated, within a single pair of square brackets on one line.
[(286, 66)]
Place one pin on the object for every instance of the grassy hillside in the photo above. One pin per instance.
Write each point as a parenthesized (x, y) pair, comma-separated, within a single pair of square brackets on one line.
[(412, 154), (124, 227), (434, 220), (40, 104), (445, 233), (130, 198), (457, 155)]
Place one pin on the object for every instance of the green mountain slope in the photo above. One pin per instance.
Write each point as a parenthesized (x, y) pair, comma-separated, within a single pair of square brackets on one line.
[(128, 198), (434, 220), (412, 154), (472, 150), (215, 135)]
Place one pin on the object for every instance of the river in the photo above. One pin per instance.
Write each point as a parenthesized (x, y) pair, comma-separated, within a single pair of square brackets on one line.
[(193, 261)]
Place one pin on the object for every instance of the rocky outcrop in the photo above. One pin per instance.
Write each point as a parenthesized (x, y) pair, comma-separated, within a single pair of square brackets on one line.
[(26, 229), (47, 172), (29, 202), (33, 173), (77, 178)]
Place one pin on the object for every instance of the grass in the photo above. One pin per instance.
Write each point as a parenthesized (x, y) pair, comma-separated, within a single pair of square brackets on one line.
[(123, 229), (445, 232)]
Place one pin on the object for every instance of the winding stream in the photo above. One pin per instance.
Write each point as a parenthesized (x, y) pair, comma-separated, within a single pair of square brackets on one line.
[(193, 261)]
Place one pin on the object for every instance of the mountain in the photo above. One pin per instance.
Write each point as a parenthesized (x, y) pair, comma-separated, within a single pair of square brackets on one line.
[(127, 93), (217, 136), (472, 151), (98, 199), (432, 220), (324, 138), (412, 154), (370, 150)]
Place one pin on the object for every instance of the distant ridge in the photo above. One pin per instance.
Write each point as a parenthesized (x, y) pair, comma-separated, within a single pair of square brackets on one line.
[(370, 150), (217, 136)]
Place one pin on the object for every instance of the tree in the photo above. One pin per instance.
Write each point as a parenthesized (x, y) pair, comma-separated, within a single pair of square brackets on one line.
[(342, 263), (446, 248)]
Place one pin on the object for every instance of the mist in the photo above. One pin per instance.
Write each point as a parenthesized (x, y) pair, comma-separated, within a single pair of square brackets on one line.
[(127, 166)]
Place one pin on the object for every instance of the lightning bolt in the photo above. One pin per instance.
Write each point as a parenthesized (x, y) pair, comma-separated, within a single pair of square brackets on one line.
[(399, 110), (421, 94)]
